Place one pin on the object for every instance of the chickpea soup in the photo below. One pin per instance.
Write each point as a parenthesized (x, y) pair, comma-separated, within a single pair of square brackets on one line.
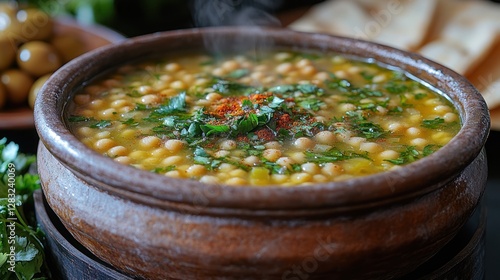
[(281, 118)]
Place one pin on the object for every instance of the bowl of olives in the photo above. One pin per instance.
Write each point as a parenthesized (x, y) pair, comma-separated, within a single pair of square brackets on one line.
[(33, 46)]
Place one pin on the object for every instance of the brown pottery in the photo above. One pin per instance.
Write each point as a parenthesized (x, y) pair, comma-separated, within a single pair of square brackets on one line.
[(155, 227)]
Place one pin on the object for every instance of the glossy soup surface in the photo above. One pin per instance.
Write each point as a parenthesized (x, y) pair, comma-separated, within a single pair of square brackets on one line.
[(281, 118)]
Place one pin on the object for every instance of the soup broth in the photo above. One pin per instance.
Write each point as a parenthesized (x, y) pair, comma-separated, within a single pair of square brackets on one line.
[(281, 118)]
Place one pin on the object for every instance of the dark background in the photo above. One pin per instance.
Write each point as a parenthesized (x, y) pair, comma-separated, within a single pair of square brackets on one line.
[(132, 18)]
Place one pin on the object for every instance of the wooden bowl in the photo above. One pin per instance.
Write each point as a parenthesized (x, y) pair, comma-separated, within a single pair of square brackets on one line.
[(156, 227), (93, 37)]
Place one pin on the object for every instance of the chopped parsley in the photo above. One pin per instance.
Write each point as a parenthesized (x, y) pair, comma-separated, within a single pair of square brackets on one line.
[(434, 123), (101, 124)]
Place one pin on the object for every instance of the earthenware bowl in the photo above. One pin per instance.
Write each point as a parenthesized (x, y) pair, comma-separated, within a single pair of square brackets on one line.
[(155, 227)]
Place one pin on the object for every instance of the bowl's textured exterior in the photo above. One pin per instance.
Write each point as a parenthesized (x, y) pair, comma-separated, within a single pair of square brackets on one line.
[(379, 226)]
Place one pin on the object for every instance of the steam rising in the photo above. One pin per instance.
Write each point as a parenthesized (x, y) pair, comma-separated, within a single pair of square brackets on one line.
[(234, 12), (252, 13)]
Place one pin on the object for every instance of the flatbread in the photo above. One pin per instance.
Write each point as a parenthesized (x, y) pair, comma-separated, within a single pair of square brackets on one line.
[(486, 78), (401, 24), (465, 38), (339, 17), (407, 22)]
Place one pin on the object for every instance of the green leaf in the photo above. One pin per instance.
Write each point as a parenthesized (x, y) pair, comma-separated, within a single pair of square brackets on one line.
[(130, 122), (174, 105), (9, 152), (101, 124), (434, 123), (164, 169), (419, 96), (276, 102), (282, 89), (239, 73), (209, 129), (409, 155), (141, 107), (309, 89), (396, 87), (246, 124), (246, 104), (226, 87), (311, 104), (430, 149), (332, 155), (366, 75)]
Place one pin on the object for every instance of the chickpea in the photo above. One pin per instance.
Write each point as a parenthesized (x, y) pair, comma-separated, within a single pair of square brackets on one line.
[(222, 153), (299, 178), (117, 151), (325, 137), (370, 147), (213, 96), (284, 68), (174, 145), (230, 65), (149, 99), (208, 179), (150, 142), (419, 142), (310, 168), (196, 170), (271, 154), (303, 143), (298, 157), (331, 169), (389, 154), (104, 144), (450, 117), (172, 160), (173, 67), (273, 145), (251, 160), (236, 181), (285, 161), (413, 131), (228, 145), (123, 160)]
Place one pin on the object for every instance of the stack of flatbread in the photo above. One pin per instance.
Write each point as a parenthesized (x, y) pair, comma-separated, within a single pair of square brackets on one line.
[(463, 35)]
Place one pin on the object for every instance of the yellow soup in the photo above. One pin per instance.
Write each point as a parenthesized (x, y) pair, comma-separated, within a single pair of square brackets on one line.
[(282, 118)]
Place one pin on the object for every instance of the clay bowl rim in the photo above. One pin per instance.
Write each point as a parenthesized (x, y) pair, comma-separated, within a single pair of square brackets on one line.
[(412, 180)]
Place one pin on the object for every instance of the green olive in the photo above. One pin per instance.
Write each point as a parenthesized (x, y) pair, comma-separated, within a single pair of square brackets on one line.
[(35, 88), (38, 58), (7, 53), (3, 96), (18, 84), (9, 25), (68, 46), (35, 24)]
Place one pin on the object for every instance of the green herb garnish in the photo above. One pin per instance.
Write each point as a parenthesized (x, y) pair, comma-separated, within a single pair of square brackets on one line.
[(16, 215), (101, 124), (434, 123)]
